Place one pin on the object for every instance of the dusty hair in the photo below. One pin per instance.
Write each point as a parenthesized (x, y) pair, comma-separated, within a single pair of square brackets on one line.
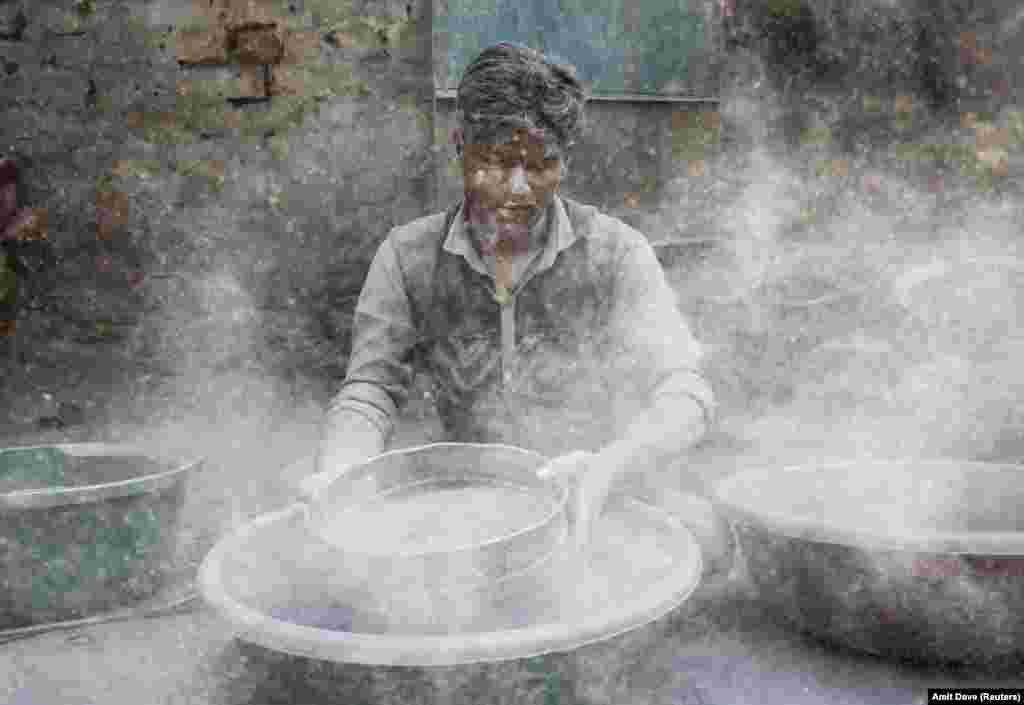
[(510, 84)]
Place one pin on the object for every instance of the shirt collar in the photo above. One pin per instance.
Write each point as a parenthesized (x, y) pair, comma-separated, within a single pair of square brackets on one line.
[(458, 242)]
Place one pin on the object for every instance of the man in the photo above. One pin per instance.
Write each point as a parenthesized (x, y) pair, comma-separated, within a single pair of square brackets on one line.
[(544, 323)]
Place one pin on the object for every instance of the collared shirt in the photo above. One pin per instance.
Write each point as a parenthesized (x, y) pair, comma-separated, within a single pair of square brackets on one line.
[(592, 335)]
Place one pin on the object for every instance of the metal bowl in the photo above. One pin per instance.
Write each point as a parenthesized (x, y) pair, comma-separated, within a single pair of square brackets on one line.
[(84, 528), (434, 587), (917, 560)]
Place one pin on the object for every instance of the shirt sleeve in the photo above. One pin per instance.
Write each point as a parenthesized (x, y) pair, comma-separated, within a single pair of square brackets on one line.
[(651, 331), (379, 374)]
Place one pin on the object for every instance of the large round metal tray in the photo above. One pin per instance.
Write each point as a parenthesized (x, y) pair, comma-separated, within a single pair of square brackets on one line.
[(268, 580)]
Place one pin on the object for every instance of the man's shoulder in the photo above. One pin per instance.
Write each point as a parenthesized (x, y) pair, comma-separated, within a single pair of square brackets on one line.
[(419, 232), (600, 227)]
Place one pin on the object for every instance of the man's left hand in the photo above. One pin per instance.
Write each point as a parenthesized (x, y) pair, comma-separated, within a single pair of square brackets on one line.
[(591, 476)]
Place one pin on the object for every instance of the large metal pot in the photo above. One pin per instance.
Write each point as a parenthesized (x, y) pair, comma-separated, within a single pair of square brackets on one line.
[(84, 528), (917, 560)]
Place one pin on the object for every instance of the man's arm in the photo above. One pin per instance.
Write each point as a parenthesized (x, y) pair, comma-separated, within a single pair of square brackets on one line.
[(659, 344), (361, 417), (660, 362)]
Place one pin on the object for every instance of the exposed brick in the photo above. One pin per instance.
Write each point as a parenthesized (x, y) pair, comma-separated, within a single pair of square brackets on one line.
[(299, 47), (989, 136), (287, 80), (30, 224), (121, 168), (112, 209), (167, 120), (252, 81), (251, 14), (262, 45), (216, 168), (232, 119), (840, 167), (206, 47)]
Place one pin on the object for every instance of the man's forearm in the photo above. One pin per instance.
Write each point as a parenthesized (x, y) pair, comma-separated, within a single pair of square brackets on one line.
[(348, 438), (658, 438)]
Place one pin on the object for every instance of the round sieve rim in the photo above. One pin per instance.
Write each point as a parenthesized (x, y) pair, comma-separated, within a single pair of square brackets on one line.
[(316, 514)]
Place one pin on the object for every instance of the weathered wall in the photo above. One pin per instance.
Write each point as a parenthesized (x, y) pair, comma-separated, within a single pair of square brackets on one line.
[(193, 221)]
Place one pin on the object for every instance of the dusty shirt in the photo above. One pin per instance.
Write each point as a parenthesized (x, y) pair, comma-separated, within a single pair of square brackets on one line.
[(596, 335)]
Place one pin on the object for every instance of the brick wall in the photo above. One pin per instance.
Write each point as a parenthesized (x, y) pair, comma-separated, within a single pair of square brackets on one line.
[(215, 175)]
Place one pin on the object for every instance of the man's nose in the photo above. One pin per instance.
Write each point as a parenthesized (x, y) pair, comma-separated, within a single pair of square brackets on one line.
[(517, 181)]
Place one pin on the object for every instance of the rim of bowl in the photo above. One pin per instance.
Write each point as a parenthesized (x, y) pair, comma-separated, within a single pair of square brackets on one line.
[(82, 494), (911, 539)]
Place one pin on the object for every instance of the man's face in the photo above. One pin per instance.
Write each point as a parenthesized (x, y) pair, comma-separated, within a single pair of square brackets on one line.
[(509, 182)]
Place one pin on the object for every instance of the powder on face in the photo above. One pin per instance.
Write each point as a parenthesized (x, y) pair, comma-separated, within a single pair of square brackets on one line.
[(510, 181)]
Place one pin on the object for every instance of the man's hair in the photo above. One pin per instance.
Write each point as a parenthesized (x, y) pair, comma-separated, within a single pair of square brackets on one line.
[(510, 84)]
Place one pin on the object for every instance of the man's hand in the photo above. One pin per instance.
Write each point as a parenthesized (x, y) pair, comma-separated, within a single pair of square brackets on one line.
[(590, 476), (325, 469), (313, 485)]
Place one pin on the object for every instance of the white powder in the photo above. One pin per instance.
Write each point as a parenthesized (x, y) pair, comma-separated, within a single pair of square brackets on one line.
[(436, 519)]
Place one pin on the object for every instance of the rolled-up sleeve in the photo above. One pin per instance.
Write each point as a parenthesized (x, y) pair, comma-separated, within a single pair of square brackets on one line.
[(379, 374), (651, 330)]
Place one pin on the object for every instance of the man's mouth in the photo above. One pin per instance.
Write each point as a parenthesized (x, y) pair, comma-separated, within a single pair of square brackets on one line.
[(515, 214)]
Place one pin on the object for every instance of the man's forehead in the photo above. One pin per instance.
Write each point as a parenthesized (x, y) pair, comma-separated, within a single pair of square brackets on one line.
[(503, 135)]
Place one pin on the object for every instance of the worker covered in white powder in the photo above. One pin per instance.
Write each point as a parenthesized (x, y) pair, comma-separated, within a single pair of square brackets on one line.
[(543, 323)]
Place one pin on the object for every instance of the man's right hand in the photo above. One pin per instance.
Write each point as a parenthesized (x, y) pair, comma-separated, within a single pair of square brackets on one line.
[(327, 469), (330, 464), (311, 486), (348, 440)]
